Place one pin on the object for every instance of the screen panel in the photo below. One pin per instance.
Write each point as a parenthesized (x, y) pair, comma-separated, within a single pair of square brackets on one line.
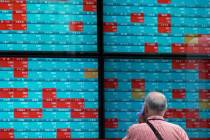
[(52, 25), (157, 26), (185, 83), (48, 98)]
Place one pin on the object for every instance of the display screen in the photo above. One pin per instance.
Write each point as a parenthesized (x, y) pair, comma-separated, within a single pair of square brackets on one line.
[(185, 83), (48, 98), (48, 25), (157, 26)]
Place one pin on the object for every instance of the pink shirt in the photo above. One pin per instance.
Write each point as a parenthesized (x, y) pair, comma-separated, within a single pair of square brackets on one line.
[(167, 130)]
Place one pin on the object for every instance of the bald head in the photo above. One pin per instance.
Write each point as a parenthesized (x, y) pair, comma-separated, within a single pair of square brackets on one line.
[(156, 103)]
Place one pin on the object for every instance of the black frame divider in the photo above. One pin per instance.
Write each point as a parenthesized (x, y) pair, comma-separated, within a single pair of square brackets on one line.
[(153, 56), (100, 40), (48, 55)]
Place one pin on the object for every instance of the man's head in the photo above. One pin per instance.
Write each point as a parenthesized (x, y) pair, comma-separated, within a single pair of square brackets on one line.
[(155, 104)]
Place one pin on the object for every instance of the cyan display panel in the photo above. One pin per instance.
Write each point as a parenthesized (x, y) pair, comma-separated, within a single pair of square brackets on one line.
[(157, 26), (48, 98), (185, 83), (51, 25)]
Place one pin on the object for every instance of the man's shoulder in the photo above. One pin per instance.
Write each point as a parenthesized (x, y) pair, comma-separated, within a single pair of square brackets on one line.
[(175, 126), (133, 131), (143, 126), (138, 126), (179, 130)]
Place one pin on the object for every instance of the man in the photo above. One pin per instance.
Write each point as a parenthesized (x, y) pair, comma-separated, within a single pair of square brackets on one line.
[(153, 126)]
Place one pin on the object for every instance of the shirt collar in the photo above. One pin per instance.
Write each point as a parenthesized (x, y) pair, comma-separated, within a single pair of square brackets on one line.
[(155, 118)]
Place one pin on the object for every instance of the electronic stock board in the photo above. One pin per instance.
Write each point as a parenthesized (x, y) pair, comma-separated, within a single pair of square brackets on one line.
[(58, 97), (157, 26), (48, 25), (46, 98), (185, 83)]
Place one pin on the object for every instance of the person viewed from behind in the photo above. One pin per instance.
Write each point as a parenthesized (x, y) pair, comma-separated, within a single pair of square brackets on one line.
[(152, 125)]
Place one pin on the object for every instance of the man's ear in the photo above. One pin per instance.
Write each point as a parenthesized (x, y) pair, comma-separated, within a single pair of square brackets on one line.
[(146, 110), (163, 113)]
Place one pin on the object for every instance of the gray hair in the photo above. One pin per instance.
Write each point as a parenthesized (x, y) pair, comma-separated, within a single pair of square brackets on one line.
[(156, 102)]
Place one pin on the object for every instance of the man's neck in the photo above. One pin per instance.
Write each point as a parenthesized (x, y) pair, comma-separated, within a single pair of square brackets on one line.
[(155, 117)]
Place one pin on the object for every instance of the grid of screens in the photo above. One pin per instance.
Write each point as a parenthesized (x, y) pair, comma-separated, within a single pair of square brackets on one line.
[(58, 97), (48, 98), (157, 26), (185, 83), (49, 25)]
